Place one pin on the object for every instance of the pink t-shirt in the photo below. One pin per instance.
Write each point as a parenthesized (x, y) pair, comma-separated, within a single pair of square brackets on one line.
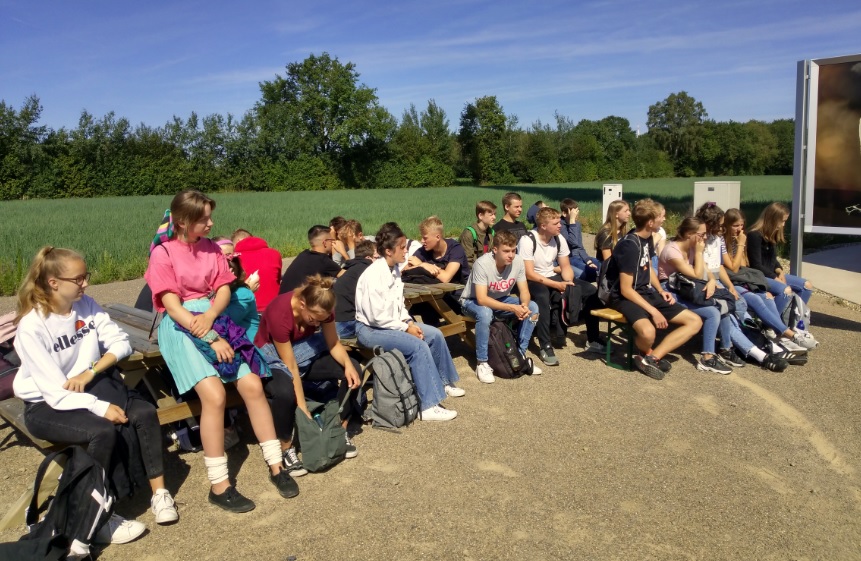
[(665, 267), (189, 270)]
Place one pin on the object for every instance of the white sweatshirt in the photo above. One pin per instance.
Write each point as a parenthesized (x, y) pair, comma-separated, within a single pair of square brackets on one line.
[(55, 348), (380, 297)]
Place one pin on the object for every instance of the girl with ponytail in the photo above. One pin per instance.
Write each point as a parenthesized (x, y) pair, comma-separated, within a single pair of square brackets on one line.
[(71, 391), (298, 353)]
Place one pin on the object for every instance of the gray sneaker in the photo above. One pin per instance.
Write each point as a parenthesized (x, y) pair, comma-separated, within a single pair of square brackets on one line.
[(805, 339), (548, 357), (649, 366), (596, 347), (713, 365), (292, 463)]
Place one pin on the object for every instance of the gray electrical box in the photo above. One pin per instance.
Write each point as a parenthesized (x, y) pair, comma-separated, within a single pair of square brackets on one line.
[(612, 192), (727, 194)]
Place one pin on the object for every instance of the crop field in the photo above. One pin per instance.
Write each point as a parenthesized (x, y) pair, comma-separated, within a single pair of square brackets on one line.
[(114, 233)]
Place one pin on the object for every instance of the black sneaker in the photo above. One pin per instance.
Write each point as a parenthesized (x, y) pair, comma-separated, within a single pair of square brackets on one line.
[(548, 357), (775, 363), (713, 365), (352, 452), (291, 462), (730, 358), (231, 500), (664, 365), (285, 484), (649, 366)]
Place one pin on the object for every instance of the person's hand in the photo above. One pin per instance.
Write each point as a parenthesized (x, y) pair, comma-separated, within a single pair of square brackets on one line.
[(659, 320), (116, 415), (431, 268), (79, 382), (201, 324), (710, 288), (223, 350), (520, 311), (414, 261), (734, 293), (253, 283), (591, 264), (416, 331), (668, 298), (351, 376), (701, 244), (562, 285), (742, 239)]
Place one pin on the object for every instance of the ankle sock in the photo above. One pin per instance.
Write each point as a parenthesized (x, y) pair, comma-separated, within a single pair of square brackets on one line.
[(757, 354), (271, 451), (216, 469)]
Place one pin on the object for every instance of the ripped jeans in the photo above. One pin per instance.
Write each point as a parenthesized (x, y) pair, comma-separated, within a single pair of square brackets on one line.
[(484, 315)]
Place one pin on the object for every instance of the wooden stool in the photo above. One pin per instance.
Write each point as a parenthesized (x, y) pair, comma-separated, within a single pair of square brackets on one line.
[(616, 321)]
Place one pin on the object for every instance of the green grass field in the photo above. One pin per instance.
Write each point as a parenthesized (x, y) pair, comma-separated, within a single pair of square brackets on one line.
[(114, 233)]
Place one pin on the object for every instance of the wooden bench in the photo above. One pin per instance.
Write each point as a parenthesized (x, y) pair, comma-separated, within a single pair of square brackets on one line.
[(617, 322)]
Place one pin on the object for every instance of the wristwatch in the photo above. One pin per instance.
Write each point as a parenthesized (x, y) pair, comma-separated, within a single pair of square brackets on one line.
[(210, 337)]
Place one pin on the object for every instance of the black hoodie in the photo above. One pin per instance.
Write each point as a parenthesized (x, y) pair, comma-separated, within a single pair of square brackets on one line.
[(345, 288)]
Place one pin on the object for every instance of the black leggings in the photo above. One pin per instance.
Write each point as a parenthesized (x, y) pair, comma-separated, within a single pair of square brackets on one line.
[(279, 389), (97, 434)]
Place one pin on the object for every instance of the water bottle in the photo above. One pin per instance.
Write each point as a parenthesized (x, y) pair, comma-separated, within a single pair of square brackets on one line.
[(513, 357), (318, 419)]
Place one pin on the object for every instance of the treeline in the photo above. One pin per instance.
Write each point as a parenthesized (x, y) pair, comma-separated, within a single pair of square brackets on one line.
[(318, 127)]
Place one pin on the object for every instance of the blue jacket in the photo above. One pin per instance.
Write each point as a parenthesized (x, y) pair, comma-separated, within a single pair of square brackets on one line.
[(573, 234)]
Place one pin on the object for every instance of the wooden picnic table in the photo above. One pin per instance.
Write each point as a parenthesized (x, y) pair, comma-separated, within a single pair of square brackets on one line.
[(434, 294)]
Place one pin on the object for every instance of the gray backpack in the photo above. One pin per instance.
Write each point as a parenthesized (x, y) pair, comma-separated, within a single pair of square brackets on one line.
[(396, 401)]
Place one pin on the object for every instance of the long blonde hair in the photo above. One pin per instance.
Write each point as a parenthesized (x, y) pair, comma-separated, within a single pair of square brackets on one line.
[(611, 225), (35, 292), (768, 223)]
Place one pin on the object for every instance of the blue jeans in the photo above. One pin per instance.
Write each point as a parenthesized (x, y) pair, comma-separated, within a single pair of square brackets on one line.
[(346, 329), (484, 315), (583, 271), (305, 351), (796, 283), (712, 323), (429, 359), (764, 308)]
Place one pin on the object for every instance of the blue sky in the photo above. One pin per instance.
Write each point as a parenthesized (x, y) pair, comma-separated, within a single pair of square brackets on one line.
[(149, 61)]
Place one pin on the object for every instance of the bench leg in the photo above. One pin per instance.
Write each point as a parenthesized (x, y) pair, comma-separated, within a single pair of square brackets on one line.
[(625, 331)]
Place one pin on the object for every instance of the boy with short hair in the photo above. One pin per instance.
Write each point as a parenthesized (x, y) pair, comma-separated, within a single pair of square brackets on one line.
[(478, 238), (512, 204), (585, 266), (487, 295), (533, 212), (317, 260), (637, 294), (442, 258)]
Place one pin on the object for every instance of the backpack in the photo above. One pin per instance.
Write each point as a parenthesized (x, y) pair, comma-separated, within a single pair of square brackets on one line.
[(605, 287), (396, 401), (82, 503), (500, 336), (796, 315), (475, 244), (572, 303)]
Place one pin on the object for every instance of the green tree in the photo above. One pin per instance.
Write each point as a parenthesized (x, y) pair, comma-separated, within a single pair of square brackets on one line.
[(676, 125), (21, 155), (484, 141)]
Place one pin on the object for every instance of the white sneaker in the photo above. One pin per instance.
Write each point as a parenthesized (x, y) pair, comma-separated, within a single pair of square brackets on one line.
[(790, 345), (484, 373), (454, 391), (804, 339), (438, 413), (119, 530), (536, 371), (164, 507)]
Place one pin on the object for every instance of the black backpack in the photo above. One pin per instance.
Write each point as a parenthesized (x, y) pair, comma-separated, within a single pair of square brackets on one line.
[(500, 337), (82, 504)]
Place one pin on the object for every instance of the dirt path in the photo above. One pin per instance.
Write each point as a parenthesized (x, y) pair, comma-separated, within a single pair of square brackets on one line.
[(583, 462)]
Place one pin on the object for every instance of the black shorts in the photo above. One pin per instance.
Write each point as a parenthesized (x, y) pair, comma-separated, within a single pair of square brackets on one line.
[(634, 313)]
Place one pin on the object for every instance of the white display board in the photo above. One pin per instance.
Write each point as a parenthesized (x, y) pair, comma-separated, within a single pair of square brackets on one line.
[(612, 192)]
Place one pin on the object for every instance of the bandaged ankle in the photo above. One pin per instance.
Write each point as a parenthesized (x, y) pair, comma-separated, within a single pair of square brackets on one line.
[(216, 469), (271, 451)]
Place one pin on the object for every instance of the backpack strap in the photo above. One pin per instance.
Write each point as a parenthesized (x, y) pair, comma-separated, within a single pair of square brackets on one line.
[(32, 512), (473, 232)]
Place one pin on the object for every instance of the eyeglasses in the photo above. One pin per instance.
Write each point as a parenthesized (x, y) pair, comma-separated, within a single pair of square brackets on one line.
[(79, 280)]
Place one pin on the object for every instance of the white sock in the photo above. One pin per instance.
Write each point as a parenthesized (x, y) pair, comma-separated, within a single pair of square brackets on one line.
[(216, 469), (271, 451), (757, 354)]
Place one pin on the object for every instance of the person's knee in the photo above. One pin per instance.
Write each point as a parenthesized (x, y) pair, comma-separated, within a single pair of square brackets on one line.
[(645, 330), (104, 433), (808, 285), (691, 320), (484, 315)]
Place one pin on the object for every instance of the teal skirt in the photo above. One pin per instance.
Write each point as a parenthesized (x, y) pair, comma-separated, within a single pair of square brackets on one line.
[(187, 365)]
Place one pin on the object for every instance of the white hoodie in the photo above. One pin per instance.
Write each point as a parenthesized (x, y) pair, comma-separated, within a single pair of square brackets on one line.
[(55, 348), (380, 297)]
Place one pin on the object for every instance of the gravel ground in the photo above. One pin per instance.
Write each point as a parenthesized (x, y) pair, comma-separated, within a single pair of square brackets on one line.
[(583, 462)]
